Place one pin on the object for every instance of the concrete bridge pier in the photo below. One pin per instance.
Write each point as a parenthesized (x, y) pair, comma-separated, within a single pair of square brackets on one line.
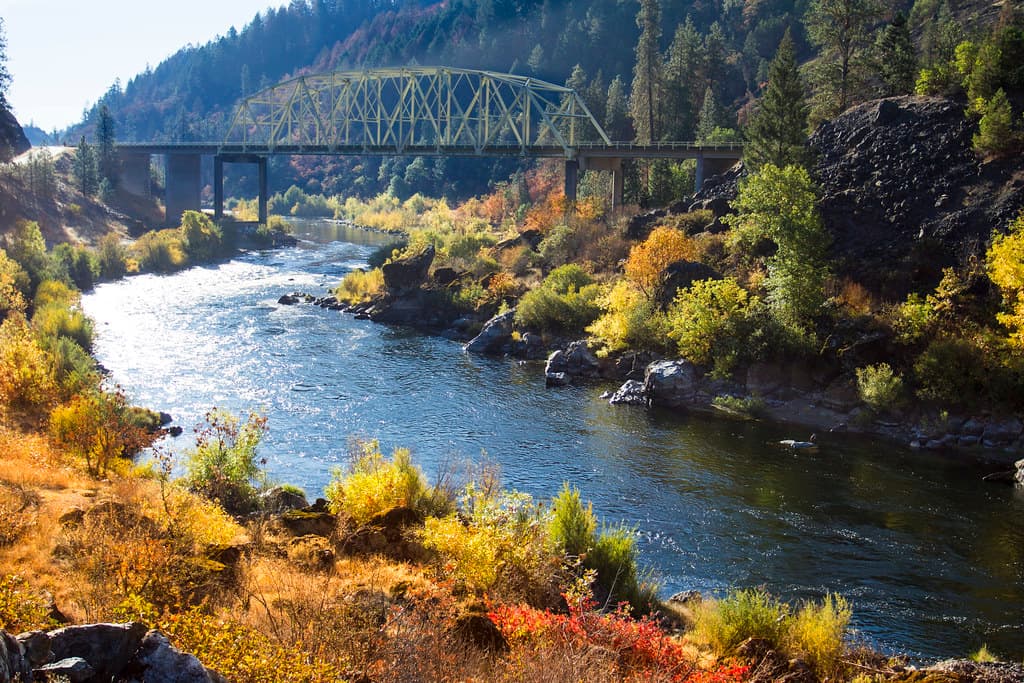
[(218, 181), (613, 164), (135, 173), (184, 186), (572, 179), (710, 166)]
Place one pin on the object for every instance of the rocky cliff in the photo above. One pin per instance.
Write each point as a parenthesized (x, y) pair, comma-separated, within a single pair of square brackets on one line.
[(12, 138), (902, 192)]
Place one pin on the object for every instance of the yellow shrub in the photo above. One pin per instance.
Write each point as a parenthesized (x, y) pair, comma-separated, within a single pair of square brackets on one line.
[(360, 286), (630, 320), (1005, 261), (21, 607), (816, 633), (26, 370)]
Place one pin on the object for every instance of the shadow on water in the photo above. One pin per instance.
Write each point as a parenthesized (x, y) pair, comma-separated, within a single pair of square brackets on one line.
[(932, 558)]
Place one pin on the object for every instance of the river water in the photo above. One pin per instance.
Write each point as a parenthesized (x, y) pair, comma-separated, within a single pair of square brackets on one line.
[(931, 558)]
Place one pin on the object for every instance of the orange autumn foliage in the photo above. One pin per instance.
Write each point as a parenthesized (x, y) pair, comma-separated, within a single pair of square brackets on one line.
[(649, 259)]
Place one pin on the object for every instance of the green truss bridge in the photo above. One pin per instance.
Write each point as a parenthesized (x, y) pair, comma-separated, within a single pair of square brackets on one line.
[(407, 111)]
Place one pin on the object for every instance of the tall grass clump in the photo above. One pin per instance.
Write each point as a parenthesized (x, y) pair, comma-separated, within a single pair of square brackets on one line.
[(373, 484), (815, 633), (360, 286), (573, 524)]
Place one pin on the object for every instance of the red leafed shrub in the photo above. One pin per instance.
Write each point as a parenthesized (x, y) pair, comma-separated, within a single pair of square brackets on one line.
[(642, 650)]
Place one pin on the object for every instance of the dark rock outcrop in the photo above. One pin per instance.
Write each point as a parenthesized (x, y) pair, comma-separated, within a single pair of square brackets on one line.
[(632, 393), (279, 499), (680, 275), (496, 335), (14, 667), (108, 648), (671, 382), (12, 138), (406, 274), (576, 360)]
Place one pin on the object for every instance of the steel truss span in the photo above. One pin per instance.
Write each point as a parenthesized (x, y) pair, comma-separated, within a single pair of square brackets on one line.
[(413, 109)]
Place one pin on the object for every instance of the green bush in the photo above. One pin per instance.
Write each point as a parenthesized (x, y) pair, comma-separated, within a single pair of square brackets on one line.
[(631, 320), (382, 254), (750, 406), (752, 613), (566, 301), (57, 320), (373, 484), (816, 634), (880, 387), (573, 525), (201, 237), (713, 322), (223, 466), (81, 265), (951, 371), (112, 257), (613, 557), (161, 251)]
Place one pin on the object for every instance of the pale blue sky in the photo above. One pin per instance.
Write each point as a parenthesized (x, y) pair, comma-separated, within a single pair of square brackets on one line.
[(64, 54)]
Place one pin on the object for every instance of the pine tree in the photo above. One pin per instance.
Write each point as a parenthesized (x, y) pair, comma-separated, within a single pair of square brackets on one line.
[(646, 73), (896, 58), (841, 29), (682, 82), (710, 118), (84, 167), (616, 118), (777, 130), (5, 77), (106, 147), (715, 54), (997, 134)]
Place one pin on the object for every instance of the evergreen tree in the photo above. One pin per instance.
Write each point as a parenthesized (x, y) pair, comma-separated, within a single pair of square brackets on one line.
[(896, 58), (84, 168), (646, 73), (710, 118), (5, 77), (715, 54), (106, 148), (616, 118), (777, 130), (682, 82), (997, 134), (841, 29)]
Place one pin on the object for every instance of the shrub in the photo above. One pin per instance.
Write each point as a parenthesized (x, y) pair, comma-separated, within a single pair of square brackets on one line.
[(112, 257), (360, 286), (951, 371), (573, 525), (648, 260), (14, 286), (1005, 266), (81, 265), (566, 301), (712, 323), (223, 466), (499, 546), (26, 370), (879, 386), (201, 237), (750, 406), (752, 613), (373, 484), (21, 607), (914, 320), (382, 254), (613, 557), (816, 633), (57, 320), (73, 368), (161, 251), (96, 428), (631, 320), (997, 133)]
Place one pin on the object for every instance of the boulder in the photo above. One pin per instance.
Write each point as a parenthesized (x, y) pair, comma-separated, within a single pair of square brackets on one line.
[(580, 361), (671, 382), (72, 669), (495, 336), (1002, 432), (445, 276), (408, 272), (278, 499), (979, 672), (680, 275), (556, 379), (529, 345), (288, 300), (36, 646), (107, 647), (632, 393), (1020, 471), (14, 667), (308, 521), (157, 661), (640, 225)]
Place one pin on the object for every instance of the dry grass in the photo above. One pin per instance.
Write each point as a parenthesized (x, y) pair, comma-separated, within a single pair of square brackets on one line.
[(28, 460)]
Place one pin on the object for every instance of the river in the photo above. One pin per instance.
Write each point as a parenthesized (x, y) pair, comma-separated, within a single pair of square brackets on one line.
[(931, 558)]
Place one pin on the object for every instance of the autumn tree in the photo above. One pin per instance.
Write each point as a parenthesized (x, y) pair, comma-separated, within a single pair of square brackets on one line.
[(777, 130), (841, 30), (96, 427), (649, 259), (1005, 265), (647, 73)]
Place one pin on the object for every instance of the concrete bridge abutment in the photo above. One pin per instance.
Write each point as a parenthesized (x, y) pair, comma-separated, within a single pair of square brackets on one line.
[(218, 181), (184, 186), (135, 176)]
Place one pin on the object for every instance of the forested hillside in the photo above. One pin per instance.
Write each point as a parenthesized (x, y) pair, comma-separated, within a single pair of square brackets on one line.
[(709, 58)]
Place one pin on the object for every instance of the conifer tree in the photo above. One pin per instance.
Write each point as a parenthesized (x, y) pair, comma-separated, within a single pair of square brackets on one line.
[(777, 130), (106, 148), (5, 77), (841, 29), (682, 81), (897, 58), (616, 118), (84, 167), (710, 118), (646, 73)]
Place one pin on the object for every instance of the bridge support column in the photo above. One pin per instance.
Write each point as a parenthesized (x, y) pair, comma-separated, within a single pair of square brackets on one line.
[(183, 186), (572, 178), (698, 181), (218, 187), (261, 163), (135, 173)]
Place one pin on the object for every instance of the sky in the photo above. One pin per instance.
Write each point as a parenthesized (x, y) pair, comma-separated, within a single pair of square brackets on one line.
[(64, 54)]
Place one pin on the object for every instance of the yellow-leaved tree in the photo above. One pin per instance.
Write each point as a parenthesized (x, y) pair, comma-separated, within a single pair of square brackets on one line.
[(1005, 265), (663, 247)]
